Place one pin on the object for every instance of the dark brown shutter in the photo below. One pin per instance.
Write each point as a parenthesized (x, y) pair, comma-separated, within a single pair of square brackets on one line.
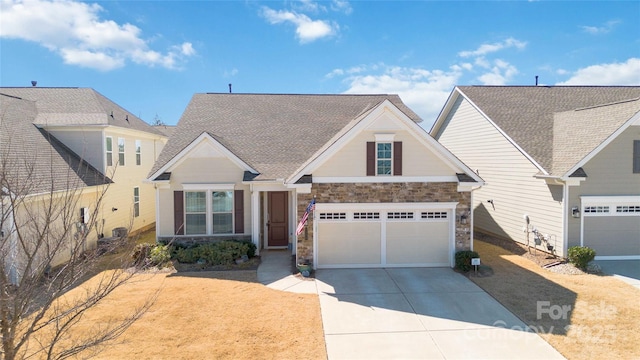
[(636, 156), (178, 212), (238, 208), (397, 158), (371, 158)]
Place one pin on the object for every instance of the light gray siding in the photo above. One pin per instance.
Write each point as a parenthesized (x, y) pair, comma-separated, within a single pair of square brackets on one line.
[(509, 178), (609, 173)]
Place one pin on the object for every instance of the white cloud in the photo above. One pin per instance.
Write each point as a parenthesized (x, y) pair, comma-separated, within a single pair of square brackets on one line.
[(501, 73), (485, 49), (307, 30), (75, 31), (422, 90), (607, 27), (624, 73), (342, 6)]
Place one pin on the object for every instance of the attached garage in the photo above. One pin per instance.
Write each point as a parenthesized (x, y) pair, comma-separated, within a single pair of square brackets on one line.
[(611, 226), (350, 235)]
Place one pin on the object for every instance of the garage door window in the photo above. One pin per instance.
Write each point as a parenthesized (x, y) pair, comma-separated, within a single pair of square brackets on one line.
[(333, 216), (366, 215), (400, 215), (628, 209), (434, 215), (596, 209)]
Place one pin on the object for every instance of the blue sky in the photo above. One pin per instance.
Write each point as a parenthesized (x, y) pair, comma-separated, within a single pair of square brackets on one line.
[(152, 56)]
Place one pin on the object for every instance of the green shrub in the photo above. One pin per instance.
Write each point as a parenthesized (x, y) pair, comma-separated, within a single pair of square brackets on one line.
[(580, 256), (463, 259), (159, 255), (220, 253)]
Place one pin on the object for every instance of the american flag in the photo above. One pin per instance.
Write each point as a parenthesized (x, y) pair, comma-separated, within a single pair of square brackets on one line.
[(303, 220)]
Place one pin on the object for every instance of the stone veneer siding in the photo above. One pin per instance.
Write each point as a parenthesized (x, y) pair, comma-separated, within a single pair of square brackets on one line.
[(384, 193)]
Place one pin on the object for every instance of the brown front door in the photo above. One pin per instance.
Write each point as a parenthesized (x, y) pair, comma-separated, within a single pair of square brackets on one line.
[(278, 223)]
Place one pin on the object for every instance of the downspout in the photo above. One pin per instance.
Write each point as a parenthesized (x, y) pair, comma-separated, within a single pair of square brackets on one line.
[(565, 219)]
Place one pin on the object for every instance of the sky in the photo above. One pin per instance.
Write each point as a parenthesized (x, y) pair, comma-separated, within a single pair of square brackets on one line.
[(150, 57)]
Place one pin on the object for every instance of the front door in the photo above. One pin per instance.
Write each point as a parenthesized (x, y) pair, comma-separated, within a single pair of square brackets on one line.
[(278, 224)]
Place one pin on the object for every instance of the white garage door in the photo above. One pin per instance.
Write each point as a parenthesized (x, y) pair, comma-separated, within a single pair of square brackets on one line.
[(383, 235), (611, 226)]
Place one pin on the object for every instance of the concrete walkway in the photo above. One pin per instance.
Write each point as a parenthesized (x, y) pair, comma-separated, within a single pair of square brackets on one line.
[(275, 272)]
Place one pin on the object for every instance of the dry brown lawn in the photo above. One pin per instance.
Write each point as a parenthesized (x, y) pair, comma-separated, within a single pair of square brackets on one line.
[(211, 315), (604, 321)]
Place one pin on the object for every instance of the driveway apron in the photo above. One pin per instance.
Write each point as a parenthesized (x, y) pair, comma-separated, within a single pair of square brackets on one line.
[(419, 313)]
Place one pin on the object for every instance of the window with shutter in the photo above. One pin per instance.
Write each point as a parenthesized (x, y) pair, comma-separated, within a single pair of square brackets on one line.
[(178, 212)]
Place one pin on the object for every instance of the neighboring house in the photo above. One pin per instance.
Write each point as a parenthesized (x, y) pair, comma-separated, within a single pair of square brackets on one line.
[(167, 130), (246, 166), (565, 159), (78, 134)]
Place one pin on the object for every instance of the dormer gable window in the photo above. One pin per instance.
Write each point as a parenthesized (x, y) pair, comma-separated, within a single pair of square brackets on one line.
[(384, 156)]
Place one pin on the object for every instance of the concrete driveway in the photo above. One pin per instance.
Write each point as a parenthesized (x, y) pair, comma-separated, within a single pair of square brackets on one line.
[(419, 313), (625, 270)]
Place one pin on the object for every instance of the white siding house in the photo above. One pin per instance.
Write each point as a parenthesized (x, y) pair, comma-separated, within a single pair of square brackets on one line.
[(551, 158)]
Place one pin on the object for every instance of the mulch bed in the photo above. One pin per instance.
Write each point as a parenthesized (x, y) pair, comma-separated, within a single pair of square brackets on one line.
[(538, 256), (251, 264)]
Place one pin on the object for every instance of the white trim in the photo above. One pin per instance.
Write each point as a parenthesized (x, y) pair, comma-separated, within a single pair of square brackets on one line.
[(444, 114), (360, 125), (384, 206), (609, 200), (604, 144), (208, 187), (618, 257), (384, 138), (382, 179), (184, 153)]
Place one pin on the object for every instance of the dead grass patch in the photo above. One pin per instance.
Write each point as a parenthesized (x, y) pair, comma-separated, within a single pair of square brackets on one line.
[(210, 315), (604, 321)]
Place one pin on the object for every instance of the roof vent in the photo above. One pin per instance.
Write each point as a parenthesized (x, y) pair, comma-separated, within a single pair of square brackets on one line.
[(126, 117), (34, 83), (229, 88), (536, 80)]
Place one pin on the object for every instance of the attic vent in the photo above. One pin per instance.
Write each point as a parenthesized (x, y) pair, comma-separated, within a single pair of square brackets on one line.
[(34, 83)]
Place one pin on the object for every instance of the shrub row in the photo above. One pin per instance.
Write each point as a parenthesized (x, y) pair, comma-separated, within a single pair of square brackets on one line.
[(220, 253)]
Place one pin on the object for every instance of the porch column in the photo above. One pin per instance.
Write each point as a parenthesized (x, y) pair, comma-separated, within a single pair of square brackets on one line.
[(255, 219)]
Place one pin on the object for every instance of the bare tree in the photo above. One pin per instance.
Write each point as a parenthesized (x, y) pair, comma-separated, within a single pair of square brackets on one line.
[(44, 249)]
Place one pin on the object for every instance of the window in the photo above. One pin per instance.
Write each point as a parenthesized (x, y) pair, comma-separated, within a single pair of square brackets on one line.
[(636, 156), (136, 201), (628, 209), (400, 215), (222, 210), (195, 208), (383, 159), (121, 151), (366, 215), (109, 151), (434, 215), (596, 209), (138, 152), (333, 216)]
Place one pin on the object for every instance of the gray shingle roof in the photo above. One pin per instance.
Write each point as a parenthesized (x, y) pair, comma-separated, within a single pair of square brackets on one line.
[(577, 132), (526, 113), (77, 106), (273, 133), (35, 160)]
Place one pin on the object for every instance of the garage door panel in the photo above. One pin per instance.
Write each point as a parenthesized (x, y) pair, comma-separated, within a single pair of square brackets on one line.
[(349, 243), (417, 243), (612, 235)]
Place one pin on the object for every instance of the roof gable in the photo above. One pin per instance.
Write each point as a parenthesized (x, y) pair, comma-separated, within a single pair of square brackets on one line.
[(526, 114), (273, 134), (34, 158), (580, 134), (77, 107), (385, 117), (205, 146)]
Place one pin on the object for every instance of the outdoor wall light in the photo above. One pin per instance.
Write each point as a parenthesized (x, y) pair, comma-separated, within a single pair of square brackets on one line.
[(575, 212)]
